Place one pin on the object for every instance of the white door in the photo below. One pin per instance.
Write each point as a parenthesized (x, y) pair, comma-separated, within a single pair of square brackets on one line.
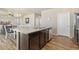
[(63, 24)]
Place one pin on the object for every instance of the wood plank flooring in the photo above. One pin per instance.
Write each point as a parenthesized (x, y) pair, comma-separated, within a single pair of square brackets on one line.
[(60, 43), (7, 44), (57, 43)]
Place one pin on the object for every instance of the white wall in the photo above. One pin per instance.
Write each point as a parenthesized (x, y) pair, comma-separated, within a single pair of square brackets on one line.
[(53, 13), (31, 20), (49, 19), (37, 20)]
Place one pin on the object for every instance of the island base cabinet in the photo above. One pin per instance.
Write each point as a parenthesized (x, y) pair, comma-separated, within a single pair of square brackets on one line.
[(42, 39), (38, 40), (23, 42), (34, 41), (47, 35)]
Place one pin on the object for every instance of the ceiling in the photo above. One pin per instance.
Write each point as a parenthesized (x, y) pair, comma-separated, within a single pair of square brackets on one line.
[(22, 11), (26, 11)]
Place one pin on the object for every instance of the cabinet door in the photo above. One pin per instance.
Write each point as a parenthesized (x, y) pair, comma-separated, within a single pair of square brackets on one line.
[(34, 41), (23, 42), (42, 38), (47, 35)]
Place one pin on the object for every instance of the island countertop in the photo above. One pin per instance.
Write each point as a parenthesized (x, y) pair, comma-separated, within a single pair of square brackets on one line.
[(27, 30)]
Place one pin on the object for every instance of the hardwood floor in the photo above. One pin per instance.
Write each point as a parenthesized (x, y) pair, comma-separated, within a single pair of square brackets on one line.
[(7, 44), (60, 43), (57, 43)]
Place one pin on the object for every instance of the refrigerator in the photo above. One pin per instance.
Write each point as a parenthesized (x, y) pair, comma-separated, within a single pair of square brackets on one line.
[(76, 29)]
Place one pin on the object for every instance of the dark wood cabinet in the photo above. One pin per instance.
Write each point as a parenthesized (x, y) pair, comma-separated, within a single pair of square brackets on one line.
[(47, 35), (38, 39), (34, 41), (42, 38)]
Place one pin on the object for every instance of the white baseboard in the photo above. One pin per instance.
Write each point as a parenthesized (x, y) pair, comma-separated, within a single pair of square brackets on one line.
[(62, 35)]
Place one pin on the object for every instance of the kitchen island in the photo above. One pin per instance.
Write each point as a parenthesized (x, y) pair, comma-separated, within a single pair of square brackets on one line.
[(32, 38)]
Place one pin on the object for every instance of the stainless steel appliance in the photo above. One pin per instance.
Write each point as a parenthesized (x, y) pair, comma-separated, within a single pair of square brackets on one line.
[(76, 29)]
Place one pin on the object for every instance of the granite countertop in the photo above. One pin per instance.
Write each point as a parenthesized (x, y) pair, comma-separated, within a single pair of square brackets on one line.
[(27, 30)]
